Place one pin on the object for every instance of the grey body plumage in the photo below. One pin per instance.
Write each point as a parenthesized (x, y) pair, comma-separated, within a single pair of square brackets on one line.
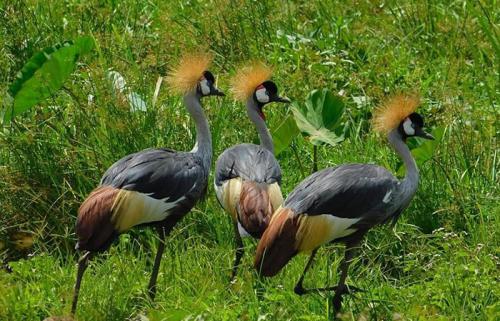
[(162, 174), (250, 162), (366, 192)]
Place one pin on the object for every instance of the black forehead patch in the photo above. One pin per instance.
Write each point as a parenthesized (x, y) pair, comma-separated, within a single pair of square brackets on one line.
[(271, 87), (417, 119), (209, 76)]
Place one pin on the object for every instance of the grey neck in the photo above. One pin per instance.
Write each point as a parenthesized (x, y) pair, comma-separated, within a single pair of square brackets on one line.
[(410, 182), (203, 146), (266, 140)]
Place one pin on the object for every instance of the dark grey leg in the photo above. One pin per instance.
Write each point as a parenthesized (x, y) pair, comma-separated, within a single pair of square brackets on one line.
[(299, 289), (82, 266), (156, 267), (239, 252), (341, 286)]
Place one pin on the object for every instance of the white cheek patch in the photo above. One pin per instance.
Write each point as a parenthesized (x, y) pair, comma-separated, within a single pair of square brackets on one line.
[(261, 96), (205, 88), (408, 128)]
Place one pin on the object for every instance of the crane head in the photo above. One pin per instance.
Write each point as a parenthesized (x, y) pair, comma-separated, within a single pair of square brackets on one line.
[(206, 85), (191, 75), (398, 113), (266, 93), (251, 83), (413, 126)]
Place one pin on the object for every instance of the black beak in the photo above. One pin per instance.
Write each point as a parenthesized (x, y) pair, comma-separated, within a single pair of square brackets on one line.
[(420, 133), (282, 100), (216, 92)]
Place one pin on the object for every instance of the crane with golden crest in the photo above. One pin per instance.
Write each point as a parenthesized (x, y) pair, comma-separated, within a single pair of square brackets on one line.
[(342, 203), (248, 176), (156, 186)]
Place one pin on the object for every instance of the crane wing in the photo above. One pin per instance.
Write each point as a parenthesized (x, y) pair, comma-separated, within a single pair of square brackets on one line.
[(159, 173), (353, 191), (250, 162)]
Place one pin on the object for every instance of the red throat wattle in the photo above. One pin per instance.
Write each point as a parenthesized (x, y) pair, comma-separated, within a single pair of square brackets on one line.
[(261, 114)]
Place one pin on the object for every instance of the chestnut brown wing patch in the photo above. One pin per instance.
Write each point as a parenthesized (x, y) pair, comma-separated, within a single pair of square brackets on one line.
[(254, 208), (278, 243), (94, 227)]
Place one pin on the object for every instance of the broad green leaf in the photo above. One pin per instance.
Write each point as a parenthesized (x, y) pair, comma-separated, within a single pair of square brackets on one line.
[(33, 65), (44, 74), (423, 149), (284, 134), (319, 118)]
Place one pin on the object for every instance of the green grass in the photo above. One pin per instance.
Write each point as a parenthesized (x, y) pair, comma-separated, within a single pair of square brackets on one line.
[(439, 263)]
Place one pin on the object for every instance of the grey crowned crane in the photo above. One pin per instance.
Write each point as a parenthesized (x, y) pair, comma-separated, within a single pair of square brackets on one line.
[(340, 204), (154, 187), (248, 176)]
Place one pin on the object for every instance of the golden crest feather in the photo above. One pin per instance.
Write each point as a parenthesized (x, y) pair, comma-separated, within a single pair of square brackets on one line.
[(188, 72), (248, 78), (390, 114)]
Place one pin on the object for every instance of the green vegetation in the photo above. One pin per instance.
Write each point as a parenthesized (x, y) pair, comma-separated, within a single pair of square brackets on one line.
[(441, 260), (43, 75)]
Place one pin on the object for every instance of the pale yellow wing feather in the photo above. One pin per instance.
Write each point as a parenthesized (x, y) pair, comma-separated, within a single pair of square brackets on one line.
[(275, 196), (231, 191), (127, 210), (316, 230), (133, 208)]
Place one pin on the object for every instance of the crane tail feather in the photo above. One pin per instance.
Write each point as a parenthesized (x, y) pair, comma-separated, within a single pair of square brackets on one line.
[(94, 226), (278, 243)]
